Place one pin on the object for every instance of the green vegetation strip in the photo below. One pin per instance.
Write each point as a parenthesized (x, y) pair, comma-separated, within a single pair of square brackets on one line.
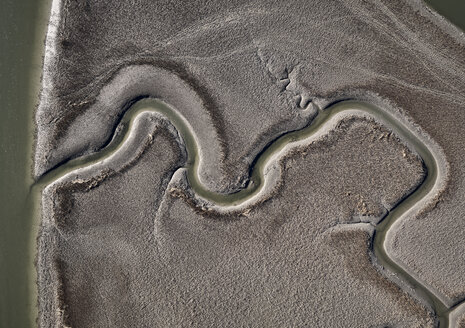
[(257, 176)]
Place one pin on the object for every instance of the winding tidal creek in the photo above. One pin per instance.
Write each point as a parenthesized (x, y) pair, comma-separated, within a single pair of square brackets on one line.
[(410, 205), (23, 26)]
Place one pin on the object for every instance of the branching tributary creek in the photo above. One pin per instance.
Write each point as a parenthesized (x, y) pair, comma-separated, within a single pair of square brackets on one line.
[(257, 178)]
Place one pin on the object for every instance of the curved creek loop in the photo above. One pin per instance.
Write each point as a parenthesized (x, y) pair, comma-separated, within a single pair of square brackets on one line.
[(256, 181)]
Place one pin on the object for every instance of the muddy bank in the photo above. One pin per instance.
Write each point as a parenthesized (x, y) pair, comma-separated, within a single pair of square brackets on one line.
[(123, 234), (253, 74)]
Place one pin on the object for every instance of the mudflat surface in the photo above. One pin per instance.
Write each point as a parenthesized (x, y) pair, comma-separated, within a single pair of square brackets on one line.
[(243, 73), (254, 66), (90, 225), (127, 252)]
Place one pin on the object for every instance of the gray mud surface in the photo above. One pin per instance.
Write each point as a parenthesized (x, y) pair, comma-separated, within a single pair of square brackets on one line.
[(256, 67), (127, 253), (244, 73)]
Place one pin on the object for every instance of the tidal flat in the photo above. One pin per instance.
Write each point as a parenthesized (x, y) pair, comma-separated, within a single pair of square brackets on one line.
[(128, 251), (128, 239)]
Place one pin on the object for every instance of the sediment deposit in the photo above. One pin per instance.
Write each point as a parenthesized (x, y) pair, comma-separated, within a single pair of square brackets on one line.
[(127, 251), (242, 74)]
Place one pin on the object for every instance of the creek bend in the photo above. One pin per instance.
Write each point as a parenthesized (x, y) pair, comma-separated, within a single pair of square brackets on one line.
[(258, 177)]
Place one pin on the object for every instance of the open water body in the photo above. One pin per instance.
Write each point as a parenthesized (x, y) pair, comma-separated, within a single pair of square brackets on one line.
[(453, 10), (23, 26)]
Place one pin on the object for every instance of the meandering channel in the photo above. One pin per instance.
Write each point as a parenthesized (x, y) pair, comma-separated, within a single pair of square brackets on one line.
[(414, 201)]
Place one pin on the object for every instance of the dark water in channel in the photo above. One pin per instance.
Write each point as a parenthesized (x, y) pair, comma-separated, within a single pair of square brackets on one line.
[(453, 10), (23, 27)]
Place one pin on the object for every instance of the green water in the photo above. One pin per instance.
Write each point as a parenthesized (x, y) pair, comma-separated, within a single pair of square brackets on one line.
[(453, 10), (23, 24)]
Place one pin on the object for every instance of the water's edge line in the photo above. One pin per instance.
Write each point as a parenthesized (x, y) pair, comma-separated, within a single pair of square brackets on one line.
[(40, 90)]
